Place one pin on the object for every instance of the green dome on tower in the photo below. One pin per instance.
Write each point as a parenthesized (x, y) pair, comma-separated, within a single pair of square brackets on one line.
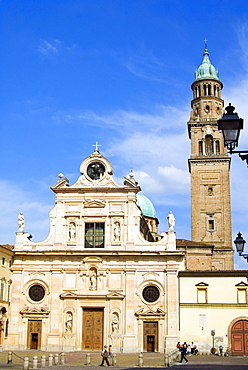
[(146, 206), (206, 69)]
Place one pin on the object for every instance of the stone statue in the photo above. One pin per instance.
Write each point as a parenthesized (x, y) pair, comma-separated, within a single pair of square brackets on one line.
[(117, 232), (72, 231), (115, 323), (68, 322), (21, 222), (93, 280), (171, 221)]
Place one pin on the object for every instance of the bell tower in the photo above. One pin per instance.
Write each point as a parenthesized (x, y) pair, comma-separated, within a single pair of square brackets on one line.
[(209, 166)]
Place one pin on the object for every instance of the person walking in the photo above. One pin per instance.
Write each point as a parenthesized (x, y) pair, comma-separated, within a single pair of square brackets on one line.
[(104, 355), (110, 353), (183, 351)]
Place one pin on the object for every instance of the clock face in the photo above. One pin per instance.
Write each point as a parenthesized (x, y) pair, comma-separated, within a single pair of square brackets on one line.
[(95, 170)]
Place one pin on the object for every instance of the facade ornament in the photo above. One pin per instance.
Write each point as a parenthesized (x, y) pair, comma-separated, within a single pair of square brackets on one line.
[(68, 322), (93, 280), (117, 232), (171, 221), (72, 231), (115, 323), (21, 222)]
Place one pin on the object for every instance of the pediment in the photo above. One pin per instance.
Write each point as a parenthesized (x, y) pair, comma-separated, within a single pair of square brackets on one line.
[(242, 283), (150, 312), (68, 294), (93, 259), (115, 295), (34, 311), (131, 183), (94, 204), (62, 183), (202, 284)]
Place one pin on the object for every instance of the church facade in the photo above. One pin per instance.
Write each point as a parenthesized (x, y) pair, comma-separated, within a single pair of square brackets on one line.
[(104, 275)]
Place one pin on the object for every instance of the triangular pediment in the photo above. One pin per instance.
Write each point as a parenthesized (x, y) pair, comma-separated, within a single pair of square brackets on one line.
[(242, 283), (94, 204), (34, 311), (149, 312), (68, 295), (115, 295), (202, 284)]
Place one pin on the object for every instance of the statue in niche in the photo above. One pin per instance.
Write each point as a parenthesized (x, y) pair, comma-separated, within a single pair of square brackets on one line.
[(93, 280), (115, 323), (21, 222), (117, 232), (210, 191), (72, 231), (68, 322), (171, 221)]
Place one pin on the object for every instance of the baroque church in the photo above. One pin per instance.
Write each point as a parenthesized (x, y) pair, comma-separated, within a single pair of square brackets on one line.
[(105, 275)]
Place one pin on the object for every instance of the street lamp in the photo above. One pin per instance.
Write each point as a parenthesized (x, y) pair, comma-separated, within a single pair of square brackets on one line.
[(230, 125), (240, 244)]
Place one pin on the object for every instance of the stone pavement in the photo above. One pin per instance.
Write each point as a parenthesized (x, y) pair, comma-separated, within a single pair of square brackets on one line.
[(77, 361)]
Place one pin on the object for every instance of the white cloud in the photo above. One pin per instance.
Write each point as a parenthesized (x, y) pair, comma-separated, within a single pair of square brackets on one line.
[(53, 47)]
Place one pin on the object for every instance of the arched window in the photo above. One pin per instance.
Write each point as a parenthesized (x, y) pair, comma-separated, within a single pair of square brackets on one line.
[(217, 146), (209, 89), (209, 147), (200, 148)]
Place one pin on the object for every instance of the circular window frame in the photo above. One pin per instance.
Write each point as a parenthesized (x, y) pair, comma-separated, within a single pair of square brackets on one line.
[(94, 162), (158, 291), (43, 292)]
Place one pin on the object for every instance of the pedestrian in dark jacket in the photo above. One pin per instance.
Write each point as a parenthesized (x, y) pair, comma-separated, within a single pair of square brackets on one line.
[(183, 351)]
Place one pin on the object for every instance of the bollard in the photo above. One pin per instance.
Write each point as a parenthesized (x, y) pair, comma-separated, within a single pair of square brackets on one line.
[(166, 361), (43, 360), (114, 360), (88, 359), (26, 363), (140, 360), (50, 360), (9, 358), (62, 358), (35, 362), (56, 359)]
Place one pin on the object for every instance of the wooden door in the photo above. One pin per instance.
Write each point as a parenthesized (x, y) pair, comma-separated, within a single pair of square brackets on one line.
[(92, 329), (239, 338), (34, 334), (150, 336)]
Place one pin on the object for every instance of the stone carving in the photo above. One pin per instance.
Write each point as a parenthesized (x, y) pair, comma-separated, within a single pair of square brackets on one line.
[(115, 323), (93, 280), (117, 232), (72, 231), (171, 221), (68, 322), (21, 222)]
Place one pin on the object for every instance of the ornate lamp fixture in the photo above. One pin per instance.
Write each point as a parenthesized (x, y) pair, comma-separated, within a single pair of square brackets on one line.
[(240, 244)]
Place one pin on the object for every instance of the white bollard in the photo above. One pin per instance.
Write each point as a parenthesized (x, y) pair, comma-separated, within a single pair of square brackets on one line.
[(140, 360), (56, 359), (88, 359), (26, 363), (35, 362), (9, 358), (43, 360), (50, 360), (62, 358)]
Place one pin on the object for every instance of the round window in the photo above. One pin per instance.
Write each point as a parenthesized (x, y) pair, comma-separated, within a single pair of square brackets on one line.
[(36, 293), (151, 293), (95, 170)]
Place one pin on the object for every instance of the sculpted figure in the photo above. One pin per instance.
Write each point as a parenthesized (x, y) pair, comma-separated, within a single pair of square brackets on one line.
[(117, 232), (68, 323), (72, 231), (93, 280), (171, 221), (115, 323), (21, 222)]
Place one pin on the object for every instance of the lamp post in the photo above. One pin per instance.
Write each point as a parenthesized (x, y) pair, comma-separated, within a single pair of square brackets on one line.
[(240, 244), (230, 125)]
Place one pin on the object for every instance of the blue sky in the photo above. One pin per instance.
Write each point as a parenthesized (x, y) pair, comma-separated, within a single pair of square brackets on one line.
[(74, 72)]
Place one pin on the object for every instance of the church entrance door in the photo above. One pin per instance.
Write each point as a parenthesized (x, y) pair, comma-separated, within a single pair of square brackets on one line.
[(239, 337), (150, 337), (92, 329), (34, 334)]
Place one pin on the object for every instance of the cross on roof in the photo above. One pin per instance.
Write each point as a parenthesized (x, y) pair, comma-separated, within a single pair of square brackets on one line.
[(96, 146)]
